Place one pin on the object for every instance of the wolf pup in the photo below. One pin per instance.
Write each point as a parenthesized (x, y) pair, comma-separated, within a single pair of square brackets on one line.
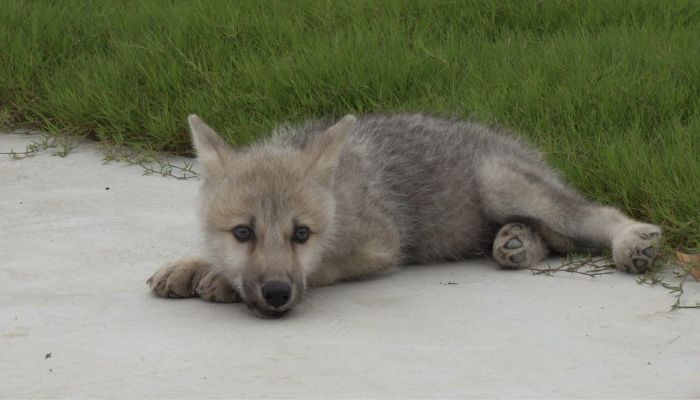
[(322, 203)]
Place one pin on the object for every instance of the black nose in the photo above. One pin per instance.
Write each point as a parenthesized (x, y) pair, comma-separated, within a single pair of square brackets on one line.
[(276, 293)]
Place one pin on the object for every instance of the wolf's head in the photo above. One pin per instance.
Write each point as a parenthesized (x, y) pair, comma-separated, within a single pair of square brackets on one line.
[(267, 212)]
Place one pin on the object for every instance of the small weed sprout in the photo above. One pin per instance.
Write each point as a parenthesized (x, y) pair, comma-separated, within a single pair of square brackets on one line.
[(671, 276), (63, 144), (680, 273), (583, 265), (152, 163)]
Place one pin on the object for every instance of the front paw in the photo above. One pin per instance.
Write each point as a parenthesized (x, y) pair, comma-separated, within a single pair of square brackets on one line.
[(217, 288), (635, 249), (179, 278)]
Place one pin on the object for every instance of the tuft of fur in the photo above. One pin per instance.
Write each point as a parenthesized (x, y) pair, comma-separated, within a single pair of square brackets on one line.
[(381, 191)]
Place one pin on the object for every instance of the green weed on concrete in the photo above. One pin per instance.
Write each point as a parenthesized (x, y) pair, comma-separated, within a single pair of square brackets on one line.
[(609, 89)]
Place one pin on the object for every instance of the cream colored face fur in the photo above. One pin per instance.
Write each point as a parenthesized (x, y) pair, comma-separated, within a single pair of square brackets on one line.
[(272, 192)]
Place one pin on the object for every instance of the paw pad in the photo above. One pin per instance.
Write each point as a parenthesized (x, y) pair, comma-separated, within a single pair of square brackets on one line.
[(518, 258), (514, 244), (636, 248), (640, 263), (649, 252)]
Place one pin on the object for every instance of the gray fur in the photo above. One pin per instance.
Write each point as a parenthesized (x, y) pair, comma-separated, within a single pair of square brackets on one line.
[(391, 190)]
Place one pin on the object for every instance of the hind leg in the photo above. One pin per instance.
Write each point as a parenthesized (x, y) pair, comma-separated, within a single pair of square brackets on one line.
[(518, 245), (514, 189)]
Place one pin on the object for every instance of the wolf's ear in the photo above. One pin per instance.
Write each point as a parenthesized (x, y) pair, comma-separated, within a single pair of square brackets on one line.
[(212, 150), (326, 149)]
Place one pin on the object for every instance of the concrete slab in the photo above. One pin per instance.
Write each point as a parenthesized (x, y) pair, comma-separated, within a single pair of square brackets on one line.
[(76, 319)]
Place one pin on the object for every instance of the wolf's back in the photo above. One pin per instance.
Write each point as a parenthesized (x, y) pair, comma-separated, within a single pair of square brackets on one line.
[(423, 171)]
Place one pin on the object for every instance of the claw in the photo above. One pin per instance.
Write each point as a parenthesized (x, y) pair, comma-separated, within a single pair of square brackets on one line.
[(649, 235)]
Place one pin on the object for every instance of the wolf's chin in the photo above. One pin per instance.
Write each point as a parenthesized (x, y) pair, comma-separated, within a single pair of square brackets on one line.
[(269, 314)]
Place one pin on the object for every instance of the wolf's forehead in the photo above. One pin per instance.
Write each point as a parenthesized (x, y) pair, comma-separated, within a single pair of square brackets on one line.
[(269, 185), (277, 198), (271, 195), (274, 184), (267, 169)]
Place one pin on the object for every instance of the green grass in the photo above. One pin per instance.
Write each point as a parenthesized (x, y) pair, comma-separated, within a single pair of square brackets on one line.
[(609, 89)]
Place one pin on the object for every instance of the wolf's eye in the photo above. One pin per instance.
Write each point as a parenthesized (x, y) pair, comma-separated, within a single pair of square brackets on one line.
[(301, 234), (243, 233)]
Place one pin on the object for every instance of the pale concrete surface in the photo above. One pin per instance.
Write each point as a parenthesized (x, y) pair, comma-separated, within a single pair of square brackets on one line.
[(75, 258)]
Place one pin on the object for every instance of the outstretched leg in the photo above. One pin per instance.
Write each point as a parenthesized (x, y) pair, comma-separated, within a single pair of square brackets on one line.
[(515, 189), (191, 277)]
